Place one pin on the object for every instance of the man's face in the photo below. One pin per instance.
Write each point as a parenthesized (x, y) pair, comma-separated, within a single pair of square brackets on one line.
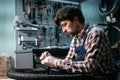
[(71, 28)]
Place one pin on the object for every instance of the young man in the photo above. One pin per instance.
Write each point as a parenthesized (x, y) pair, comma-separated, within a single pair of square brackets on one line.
[(89, 49)]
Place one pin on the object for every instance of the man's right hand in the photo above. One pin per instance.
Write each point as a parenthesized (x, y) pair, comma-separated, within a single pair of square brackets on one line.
[(48, 60), (44, 54)]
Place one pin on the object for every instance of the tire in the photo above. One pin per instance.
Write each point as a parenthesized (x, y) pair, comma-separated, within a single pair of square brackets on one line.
[(39, 74), (29, 74)]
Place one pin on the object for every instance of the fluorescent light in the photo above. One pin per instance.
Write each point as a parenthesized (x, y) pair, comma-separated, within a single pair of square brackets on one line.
[(64, 1)]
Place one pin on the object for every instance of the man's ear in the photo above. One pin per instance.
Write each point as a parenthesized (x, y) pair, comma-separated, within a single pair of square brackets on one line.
[(76, 19)]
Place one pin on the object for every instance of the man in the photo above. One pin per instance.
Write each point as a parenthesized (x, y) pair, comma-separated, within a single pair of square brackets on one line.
[(89, 49)]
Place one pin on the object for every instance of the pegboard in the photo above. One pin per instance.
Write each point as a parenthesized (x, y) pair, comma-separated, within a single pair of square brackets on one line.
[(42, 13)]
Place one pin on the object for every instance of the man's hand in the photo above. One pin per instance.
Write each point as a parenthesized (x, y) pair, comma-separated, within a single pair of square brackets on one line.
[(48, 60), (44, 54)]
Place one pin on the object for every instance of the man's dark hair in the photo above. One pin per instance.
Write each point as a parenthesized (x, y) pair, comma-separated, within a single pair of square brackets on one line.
[(68, 13)]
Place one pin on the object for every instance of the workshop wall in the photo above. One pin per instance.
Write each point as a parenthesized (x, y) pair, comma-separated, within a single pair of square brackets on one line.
[(90, 12), (7, 40)]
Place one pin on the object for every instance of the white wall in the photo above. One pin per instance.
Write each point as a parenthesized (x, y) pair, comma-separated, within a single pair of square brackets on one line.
[(7, 33)]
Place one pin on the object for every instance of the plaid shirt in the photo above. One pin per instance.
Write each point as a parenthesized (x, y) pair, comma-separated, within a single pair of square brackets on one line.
[(97, 56)]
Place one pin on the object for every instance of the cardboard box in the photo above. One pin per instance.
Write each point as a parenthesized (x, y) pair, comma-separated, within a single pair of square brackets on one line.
[(3, 74), (5, 65)]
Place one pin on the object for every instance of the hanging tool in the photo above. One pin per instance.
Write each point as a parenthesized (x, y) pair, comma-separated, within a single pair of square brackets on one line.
[(23, 2), (19, 40), (43, 7), (55, 7), (29, 8), (36, 41), (24, 10), (49, 10), (19, 21), (24, 47), (44, 30), (40, 16)]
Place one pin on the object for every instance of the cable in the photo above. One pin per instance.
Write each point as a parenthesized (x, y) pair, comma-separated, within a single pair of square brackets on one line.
[(103, 11)]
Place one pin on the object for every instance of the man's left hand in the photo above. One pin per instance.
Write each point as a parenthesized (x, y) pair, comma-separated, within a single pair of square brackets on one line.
[(49, 61)]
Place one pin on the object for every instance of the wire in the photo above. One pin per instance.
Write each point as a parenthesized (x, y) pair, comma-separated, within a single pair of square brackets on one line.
[(103, 11)]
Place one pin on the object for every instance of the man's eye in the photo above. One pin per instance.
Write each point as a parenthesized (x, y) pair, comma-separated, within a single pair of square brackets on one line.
[(64, 25)]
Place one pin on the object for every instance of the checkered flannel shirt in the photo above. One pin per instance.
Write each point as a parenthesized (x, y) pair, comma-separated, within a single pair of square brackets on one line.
[(97, 56)]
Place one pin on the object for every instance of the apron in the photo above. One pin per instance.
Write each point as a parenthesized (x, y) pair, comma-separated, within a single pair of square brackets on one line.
[(80, 50)]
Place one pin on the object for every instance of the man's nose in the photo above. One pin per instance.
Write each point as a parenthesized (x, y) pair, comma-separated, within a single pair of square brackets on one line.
[(64, 30)]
